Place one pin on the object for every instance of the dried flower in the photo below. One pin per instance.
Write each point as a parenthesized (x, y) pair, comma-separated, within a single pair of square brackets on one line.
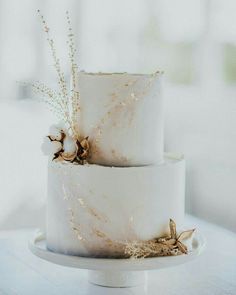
[(163, 246), (70, 149), (51, 147), (83, 151), (56, 132), (63, 141), (61, 145)]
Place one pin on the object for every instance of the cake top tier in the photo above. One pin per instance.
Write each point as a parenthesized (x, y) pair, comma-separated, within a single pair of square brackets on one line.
[(113, 119), (123, 116)]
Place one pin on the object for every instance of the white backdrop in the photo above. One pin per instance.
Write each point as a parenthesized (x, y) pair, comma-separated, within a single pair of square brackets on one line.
[(193, 41)]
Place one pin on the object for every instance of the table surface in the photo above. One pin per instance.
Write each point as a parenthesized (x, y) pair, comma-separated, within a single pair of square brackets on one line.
[(212, 273)]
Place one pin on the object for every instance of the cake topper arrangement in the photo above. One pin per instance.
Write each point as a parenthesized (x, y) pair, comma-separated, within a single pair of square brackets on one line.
[(169, 245), (60, 145), (64, 141)]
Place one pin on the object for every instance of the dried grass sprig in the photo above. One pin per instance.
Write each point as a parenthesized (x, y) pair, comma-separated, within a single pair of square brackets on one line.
[(53, 100), (64, 103), (75, 95)]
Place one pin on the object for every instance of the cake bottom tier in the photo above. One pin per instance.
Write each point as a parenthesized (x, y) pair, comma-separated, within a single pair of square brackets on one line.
[(94, 210)]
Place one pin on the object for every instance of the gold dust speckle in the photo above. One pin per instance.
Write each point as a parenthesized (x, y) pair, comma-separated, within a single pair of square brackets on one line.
[(97, 215), (99, 233), (65, 194), (81, 201), (74, 227), (118, 107), (92, 211)]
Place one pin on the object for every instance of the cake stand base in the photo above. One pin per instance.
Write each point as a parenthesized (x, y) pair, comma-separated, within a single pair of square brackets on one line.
[(116, 279), (114, 272)]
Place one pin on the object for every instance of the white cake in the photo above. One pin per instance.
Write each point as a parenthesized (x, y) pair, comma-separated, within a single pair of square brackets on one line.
[(123, 116), (90, 205), (129, 190)]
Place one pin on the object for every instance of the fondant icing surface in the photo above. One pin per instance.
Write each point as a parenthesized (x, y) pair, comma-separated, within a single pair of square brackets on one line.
[(93, 209)]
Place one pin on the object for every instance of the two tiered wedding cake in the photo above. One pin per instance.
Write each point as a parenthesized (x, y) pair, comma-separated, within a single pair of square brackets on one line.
[(130, 188), (112, 192)]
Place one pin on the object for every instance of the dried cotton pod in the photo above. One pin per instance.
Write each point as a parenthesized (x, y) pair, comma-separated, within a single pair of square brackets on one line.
[(56, 132), (50, 147), (70, 149)]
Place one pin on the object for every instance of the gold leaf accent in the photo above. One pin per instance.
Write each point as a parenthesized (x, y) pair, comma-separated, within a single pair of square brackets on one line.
[(99, 233)]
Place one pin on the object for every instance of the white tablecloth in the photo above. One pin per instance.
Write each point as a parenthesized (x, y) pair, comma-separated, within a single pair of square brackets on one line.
[(212, 273)]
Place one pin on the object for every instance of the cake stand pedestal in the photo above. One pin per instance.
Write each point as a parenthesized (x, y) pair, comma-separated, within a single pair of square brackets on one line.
[(114, 272), (117, 279)]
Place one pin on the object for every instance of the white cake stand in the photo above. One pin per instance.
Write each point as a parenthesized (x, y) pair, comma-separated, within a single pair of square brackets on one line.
[(114, 272)]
